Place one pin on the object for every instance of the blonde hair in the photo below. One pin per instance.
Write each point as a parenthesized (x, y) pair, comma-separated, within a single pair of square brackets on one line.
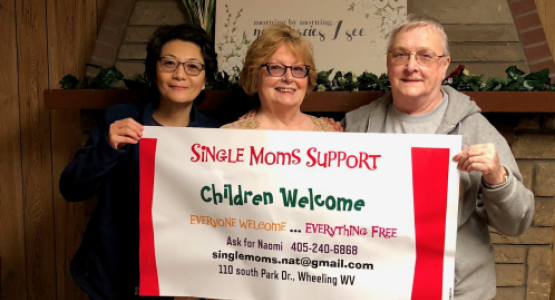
[(416, 21), (271, 38)]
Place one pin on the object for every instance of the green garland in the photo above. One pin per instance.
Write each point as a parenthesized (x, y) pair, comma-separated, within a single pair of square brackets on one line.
[(459, 79)]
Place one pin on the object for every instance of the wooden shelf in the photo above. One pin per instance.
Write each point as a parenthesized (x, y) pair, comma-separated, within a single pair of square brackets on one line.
[(505, 102)]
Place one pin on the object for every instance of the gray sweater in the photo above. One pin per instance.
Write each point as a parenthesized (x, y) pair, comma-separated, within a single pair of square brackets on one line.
[(508, 209)]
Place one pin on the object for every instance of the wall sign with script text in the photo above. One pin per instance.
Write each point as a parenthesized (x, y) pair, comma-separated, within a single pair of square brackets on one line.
[(348, 35)]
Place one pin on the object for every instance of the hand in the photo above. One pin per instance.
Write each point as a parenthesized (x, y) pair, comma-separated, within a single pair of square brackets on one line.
[(482, 158), (123, 132), (248, 115), (336, 125)]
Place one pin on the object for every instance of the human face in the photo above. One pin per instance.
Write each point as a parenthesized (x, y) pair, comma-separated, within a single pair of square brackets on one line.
[(411, 80), (285, 90), (178, 86)]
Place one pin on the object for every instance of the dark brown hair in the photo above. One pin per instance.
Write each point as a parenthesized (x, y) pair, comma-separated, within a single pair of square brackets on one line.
[(187, 33)]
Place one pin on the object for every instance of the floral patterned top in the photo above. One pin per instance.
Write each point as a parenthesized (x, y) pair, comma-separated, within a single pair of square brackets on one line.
[(319, 124)]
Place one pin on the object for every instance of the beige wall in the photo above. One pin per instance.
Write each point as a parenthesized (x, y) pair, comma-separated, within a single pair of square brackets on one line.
[(482, 34)]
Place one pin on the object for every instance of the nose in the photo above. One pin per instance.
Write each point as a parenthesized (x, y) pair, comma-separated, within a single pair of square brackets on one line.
[(288, 76), (180, 73), (412, 64)]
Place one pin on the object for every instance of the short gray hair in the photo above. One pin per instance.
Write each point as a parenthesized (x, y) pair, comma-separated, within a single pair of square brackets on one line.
[(415, 21)]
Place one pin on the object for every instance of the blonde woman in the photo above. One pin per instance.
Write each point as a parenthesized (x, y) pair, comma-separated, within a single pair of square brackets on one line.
[(279, 70)]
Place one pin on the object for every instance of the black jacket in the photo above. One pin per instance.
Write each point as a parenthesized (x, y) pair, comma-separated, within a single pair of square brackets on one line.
[(106, 266)]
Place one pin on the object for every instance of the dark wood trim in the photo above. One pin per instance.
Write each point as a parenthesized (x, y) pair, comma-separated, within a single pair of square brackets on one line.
[(513, 102), (13, 270), (36, 154)]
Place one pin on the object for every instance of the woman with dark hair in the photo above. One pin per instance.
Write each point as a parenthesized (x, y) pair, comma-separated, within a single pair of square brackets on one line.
[(179, 61)]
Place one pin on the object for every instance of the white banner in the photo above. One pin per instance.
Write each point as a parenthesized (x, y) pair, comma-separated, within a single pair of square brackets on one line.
[(254, 214), (348, 35)]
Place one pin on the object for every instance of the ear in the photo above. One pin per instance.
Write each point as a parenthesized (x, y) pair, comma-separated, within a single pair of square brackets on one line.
[(204, 84), (446, 65)]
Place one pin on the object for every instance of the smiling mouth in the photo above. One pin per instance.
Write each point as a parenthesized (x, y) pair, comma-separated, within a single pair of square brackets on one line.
[(411, 80), (284, 90), (179, 87)]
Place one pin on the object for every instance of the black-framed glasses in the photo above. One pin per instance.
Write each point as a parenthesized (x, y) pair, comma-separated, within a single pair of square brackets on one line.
[(170, 64), (423, 59), (278, 70)]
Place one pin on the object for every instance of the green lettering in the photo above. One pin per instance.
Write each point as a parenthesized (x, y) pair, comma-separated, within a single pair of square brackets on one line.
[(317, 200), (359, 204), (256, 200), (269, 196), (205, 188), (289, 200), (303, 202), (347, 204), (332, 205), (247, 194)]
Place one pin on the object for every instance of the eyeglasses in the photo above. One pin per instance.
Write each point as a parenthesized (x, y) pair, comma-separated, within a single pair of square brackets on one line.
[(170, 64), (423, 59), (278, 70)]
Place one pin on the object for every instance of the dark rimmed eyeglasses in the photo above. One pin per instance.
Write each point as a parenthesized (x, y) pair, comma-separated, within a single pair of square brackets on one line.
[(170, 64), (423, 59), (278, 70)]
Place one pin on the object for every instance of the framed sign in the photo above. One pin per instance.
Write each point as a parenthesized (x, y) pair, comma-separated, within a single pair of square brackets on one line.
[(347, 35)]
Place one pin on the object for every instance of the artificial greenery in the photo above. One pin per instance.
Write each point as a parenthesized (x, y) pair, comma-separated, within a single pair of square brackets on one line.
[(516, 81), (350, 82), (459, 79), (223, 81), (465, 82), (103, 80)]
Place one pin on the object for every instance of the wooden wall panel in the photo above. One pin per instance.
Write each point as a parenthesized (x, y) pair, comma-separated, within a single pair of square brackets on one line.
[(35, 149), (12, 235), (72, 31)]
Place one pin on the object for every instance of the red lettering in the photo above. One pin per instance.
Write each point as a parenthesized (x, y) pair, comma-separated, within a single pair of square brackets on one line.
[(229, 156), (284, 158), (375, 229), (312, 159), (296, 158), (239, 155), (374, 157), (256, 158), (197, 155), (332, 157), (342, 157), (220, 155), (267, 160), (363, 157), (351, 166)]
